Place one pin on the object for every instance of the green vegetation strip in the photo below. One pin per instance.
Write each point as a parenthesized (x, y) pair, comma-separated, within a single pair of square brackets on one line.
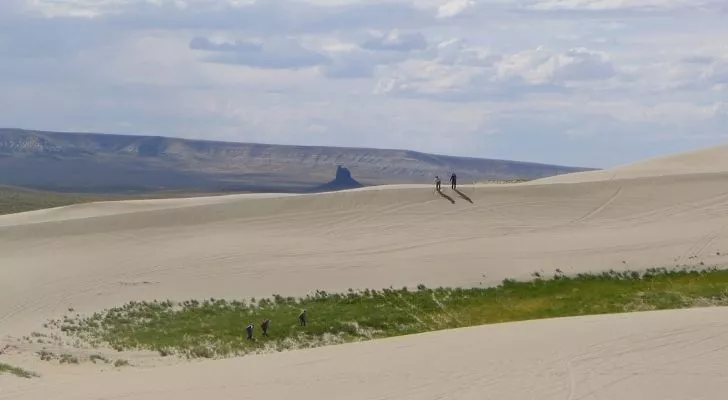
[(216, 328), (16, 200), (9, 369)]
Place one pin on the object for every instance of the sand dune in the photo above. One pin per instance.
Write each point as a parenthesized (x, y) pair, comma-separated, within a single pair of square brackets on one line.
[(640, 356), (104, 254), (702, 161)]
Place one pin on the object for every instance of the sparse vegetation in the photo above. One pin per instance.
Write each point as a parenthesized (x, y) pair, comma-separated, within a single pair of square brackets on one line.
[(46, 355), (121, 363), (19, 372), (67, 359), (216, 328), (98, 358), (503, 181), (15, 199)]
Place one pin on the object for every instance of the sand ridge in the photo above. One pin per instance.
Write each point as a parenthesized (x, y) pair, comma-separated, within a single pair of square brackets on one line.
[(92, 256), (710, 160)]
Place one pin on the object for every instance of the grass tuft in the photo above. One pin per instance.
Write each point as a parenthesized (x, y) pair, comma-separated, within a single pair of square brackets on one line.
[(121, 363), (67, 359), (214, 328), (19, 372), (46, 355), (98, 358)]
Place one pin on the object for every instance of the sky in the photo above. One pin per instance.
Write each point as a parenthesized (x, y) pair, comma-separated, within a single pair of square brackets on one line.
[(592, 83)]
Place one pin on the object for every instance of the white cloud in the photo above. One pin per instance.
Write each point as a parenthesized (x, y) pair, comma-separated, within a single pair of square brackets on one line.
[(541, 66), (359, 63), (452, 8), (459, 51), (275, 53), (396, 41), (472, 74), (569, 74), (426, 78), (612, 4)]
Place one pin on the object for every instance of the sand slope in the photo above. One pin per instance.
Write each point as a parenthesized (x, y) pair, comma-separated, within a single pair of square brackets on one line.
[(701, 161), (105, 254), (640, 356), (241, 247)]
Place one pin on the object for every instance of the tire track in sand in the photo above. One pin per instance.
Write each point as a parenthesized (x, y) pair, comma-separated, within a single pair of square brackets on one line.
[(599, 208)]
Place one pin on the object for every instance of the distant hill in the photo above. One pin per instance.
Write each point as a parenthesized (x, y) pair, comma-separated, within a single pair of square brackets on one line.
[(110, 163)]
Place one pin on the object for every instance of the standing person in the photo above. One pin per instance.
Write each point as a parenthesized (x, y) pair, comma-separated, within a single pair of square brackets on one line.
[(264, 326), (437, 183), (249, 330), (303, 318), (453, 180)]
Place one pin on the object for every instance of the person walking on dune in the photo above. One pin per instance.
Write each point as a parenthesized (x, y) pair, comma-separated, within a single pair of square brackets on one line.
[(453, 181), (249, 330), (437, 183), (264, 326)]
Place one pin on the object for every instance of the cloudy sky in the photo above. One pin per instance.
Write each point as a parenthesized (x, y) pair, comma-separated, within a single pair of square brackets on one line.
[(576, 82)]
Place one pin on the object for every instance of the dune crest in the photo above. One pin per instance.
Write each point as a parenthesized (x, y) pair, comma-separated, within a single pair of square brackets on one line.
[(712, 160)]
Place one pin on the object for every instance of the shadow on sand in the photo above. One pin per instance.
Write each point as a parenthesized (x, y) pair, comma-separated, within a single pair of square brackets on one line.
[(463, 195), (446, 196)]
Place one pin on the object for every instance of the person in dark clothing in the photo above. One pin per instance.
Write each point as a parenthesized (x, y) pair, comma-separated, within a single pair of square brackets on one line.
[(303, 318), (453, 180), (249, 330), (264, 326)]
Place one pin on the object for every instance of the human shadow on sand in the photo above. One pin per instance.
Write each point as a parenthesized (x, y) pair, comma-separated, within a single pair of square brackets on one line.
[(446, 196), (463, 195)]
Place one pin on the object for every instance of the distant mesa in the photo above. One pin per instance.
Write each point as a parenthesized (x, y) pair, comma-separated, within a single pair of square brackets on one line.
[(109, 163), (342, 181)]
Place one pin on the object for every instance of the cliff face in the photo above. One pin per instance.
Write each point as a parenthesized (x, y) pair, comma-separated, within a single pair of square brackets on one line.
[(106, 163)]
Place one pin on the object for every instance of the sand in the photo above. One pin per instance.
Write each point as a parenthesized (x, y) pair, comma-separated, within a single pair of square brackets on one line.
[(639, 356), (662, 212), (703, 161)]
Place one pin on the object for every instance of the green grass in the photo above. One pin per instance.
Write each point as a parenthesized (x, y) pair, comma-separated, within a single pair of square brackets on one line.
[(215, 327), (16, 199), (19, 372)]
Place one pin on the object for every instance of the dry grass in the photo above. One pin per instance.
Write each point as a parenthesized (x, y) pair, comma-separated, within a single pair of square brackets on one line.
[(19, 372)]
